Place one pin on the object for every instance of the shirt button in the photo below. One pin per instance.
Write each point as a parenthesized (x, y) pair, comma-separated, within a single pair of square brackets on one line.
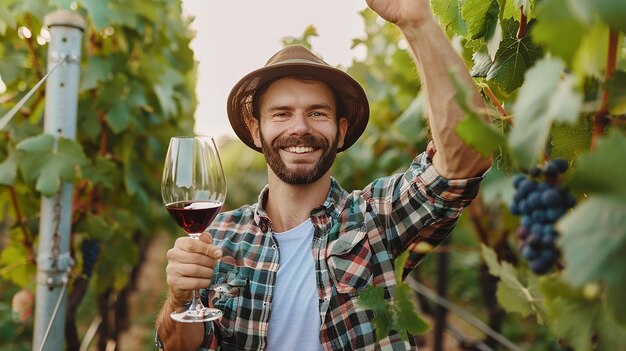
[(326, 298)]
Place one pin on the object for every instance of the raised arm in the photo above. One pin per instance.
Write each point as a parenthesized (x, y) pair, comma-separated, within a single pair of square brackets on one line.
[(434, 58)]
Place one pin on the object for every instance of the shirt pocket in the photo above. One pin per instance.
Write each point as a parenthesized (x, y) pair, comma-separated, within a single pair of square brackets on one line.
[(349, 261), (226, 294)]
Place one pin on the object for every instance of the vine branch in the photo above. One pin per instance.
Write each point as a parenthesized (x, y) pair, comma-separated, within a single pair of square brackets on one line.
[(601, 117), (27, 241), (494, 100), (523, 21), (31, 48)]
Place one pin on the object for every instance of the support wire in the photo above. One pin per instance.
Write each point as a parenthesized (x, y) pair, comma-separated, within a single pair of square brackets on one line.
[(12, 112)]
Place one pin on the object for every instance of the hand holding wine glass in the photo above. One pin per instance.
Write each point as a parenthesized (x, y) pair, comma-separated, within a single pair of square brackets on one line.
[(193, 188)]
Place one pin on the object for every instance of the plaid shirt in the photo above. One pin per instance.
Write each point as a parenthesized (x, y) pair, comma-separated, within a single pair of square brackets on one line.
[(357, 237)]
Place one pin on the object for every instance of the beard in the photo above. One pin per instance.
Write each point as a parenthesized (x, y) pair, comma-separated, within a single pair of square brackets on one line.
[(301, 174)]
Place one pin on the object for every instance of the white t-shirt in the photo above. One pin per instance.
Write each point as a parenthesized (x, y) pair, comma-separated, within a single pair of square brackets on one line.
[(295, 319)]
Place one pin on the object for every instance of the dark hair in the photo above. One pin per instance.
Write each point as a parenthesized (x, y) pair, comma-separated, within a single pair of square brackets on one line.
[(258, 94)]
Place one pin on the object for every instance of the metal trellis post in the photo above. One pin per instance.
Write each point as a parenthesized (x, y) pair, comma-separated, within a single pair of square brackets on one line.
[(53, 256)]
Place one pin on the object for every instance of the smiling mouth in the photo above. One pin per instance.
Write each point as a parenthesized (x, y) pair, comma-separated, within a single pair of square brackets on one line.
[(299, 149)]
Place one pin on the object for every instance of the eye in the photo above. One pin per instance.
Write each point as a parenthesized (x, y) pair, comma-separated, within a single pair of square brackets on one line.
[(280, 115), (318, 114)]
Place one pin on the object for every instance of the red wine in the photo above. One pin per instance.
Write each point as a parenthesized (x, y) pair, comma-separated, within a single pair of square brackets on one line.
[(194, 216)]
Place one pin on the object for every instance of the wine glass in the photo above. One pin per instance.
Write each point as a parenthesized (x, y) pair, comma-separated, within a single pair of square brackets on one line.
[(193, 190)]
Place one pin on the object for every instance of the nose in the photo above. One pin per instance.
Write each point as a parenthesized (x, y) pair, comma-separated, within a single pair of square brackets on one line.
[(299, 124)]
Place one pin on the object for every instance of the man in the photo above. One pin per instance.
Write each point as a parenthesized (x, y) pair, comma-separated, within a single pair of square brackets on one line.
[(287, 271)]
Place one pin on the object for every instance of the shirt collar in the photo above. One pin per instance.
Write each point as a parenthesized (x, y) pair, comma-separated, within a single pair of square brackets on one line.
[(335, 201)]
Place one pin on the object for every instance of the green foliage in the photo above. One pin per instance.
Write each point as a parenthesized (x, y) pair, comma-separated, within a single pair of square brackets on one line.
[(136, 91), (582, 319), (513, 295), (552, 83), (399, 313), (544, 98), (513, 57)]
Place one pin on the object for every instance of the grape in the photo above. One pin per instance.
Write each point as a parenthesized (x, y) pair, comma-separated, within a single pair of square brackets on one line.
[(561, 164), (552, 198), (90, 249), (517, 179), (540, 202)]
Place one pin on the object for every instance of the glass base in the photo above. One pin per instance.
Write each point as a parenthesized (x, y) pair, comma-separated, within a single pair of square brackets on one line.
[(202, 314)]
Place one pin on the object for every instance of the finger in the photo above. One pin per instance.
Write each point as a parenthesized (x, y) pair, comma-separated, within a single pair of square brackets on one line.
[(180, 284), (186, 257), (206, 238), (212, 251), (188, 270)]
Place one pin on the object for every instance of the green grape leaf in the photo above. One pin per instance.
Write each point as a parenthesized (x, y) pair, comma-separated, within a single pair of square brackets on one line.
[(165, 92), (584, 323), (111, 270), (603, 170), (98, 69), (119, 116), (570, 141), (544, 98), (399, 264), (407, 318), (613, 12), (481, 17), (373, 298), (102, 13), (593, 240), (584, 10), (554, 18), (409, 126), (508, 10), (40, 159), (475, 131), (482, 63), (616, 86), (11, 64), (513, 58), (615, 301), (104, 172), (15, 265), (512, 295), (449, 13), (496, 187), (400, 314), (590, 60), (8, 169), (96, 227), (383, 323)]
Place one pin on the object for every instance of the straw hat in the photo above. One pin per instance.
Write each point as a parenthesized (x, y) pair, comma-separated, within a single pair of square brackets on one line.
[(298, 60)]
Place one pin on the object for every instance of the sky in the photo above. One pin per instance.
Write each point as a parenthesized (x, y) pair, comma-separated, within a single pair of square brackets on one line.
[(234, 37)]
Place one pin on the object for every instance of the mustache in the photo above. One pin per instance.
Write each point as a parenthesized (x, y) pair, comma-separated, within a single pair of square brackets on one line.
[(306, 141)]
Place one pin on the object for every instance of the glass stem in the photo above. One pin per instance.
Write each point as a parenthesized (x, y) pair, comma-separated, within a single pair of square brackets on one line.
[(196, 303)]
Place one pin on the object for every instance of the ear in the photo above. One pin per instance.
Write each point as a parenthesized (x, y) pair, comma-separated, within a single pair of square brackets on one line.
[(342, 129), (255, 131)]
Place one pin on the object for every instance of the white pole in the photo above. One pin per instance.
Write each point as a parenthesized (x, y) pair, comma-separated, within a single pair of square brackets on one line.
[(53, 256)]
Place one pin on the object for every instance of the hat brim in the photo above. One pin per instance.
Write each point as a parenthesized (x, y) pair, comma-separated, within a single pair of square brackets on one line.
[(348, 90)]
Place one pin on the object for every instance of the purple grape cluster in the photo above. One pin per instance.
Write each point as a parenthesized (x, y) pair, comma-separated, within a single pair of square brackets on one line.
[(90, 249), (540, 202)]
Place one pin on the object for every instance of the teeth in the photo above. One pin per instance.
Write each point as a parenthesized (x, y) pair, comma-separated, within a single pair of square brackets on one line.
[(300, 149)]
